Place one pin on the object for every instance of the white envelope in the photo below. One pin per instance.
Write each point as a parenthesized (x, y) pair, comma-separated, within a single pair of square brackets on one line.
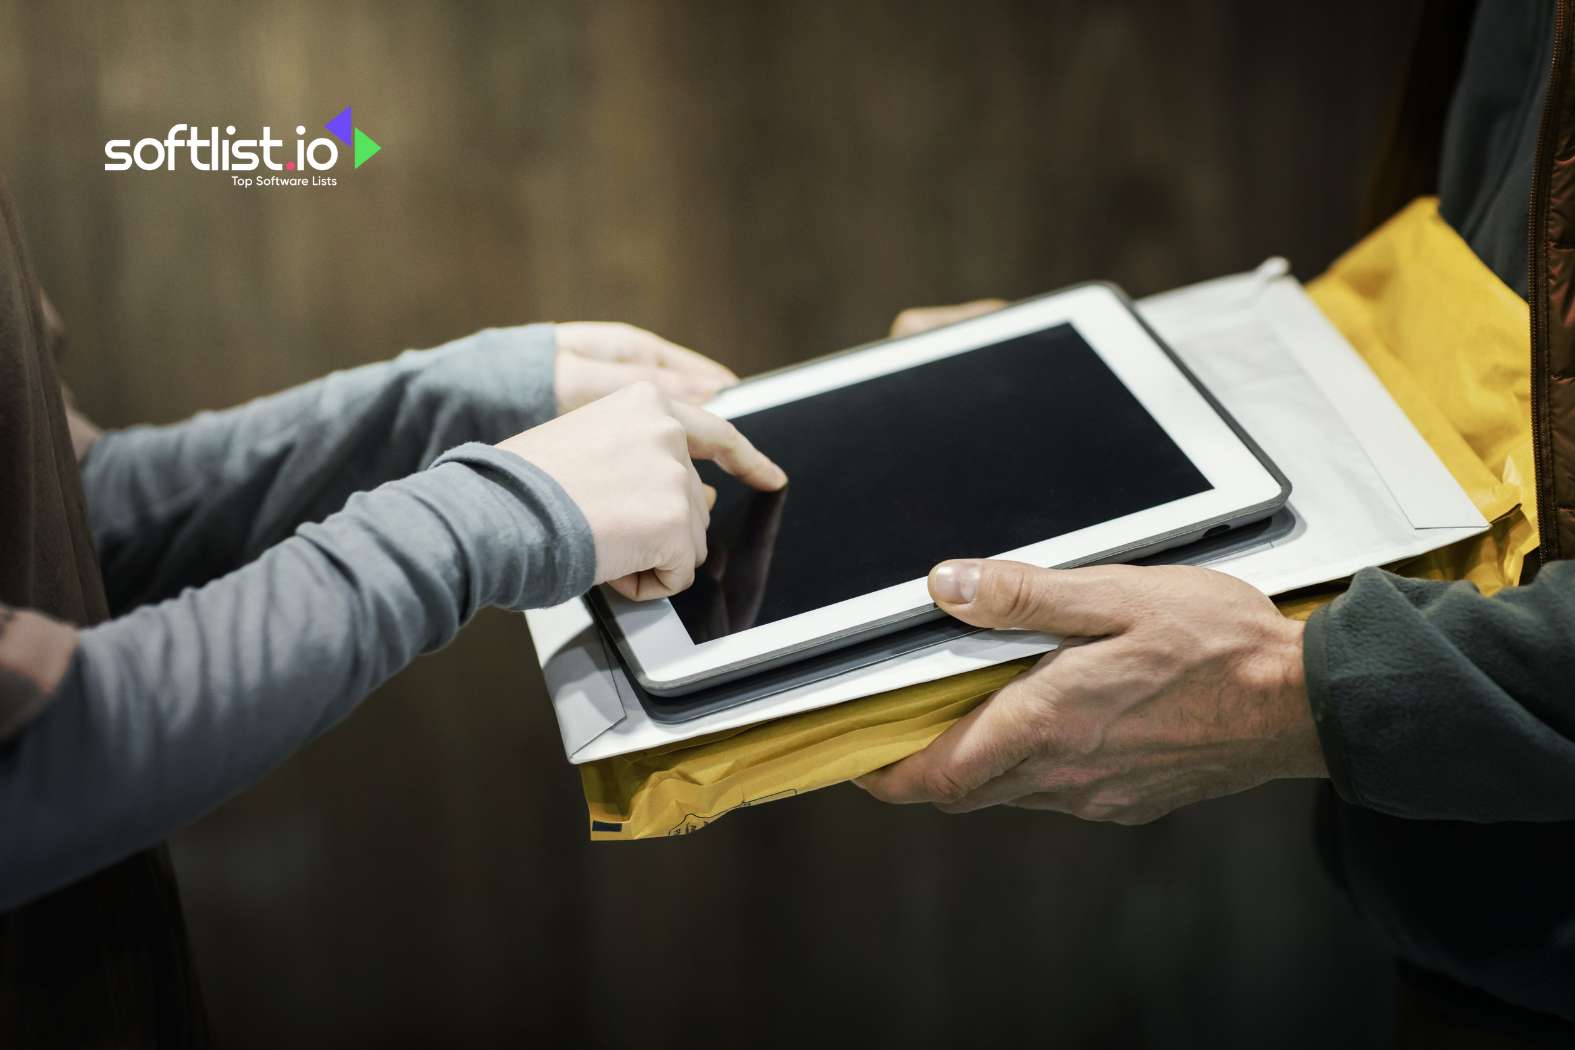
[(1366, 490)]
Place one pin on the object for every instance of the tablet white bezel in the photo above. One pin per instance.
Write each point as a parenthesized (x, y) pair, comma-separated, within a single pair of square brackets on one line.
[(659, 647)]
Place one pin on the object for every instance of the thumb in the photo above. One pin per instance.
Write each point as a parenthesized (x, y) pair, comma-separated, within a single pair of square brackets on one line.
[(993, 593)]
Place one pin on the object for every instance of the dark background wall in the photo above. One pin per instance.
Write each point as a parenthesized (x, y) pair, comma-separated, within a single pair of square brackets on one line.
[(765, 181)]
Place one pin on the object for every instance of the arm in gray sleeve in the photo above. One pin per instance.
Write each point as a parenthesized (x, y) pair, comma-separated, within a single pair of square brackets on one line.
[(175, 506), (1435, 702), (168, 711)]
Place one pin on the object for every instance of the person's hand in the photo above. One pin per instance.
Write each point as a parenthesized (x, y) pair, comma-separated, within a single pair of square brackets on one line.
[(596, 358), (1176, 684), (918, 319), (626, 462)]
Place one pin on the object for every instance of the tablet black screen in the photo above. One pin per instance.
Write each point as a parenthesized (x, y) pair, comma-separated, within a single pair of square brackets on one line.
[(970, 455)]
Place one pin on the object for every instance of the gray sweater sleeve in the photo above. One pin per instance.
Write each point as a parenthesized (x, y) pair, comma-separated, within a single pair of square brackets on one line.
[(175, 506), (169, 710), (1435, 702)]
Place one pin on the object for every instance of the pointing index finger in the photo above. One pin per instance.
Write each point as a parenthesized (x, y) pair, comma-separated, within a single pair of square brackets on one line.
[(714, 438)]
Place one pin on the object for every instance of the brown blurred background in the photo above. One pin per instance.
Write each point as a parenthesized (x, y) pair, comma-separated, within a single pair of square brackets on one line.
[(765, 181)]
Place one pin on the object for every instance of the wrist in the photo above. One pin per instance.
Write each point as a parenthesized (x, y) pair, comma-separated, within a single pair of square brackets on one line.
[(531, 542), (1272, 686), (1298, 751)]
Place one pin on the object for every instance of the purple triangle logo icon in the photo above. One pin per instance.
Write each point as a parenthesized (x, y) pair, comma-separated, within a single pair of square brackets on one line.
[(341, 127)]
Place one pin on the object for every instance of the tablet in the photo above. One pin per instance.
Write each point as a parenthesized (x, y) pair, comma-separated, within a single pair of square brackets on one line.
[(1058, 431), (678, 708)]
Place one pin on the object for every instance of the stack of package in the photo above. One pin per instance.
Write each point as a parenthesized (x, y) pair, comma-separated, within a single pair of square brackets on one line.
[(1392, 396)]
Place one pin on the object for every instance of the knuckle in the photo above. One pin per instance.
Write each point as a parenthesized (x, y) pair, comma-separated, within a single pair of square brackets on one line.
[(1085, 743), (675, 512), (942, 786), (1066, 732), (669, 516), (1085, 809), (1077, 777), (644, 390), (1074, 656), (675, 476), (1119, 800), (1009, 591), (728, 435), (878, 788), (673, 437)]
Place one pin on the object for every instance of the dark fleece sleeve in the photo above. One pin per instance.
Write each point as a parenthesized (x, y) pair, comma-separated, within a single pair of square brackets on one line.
[(1435, 702)]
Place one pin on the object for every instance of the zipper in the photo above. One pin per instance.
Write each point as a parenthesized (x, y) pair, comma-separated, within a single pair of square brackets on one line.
[(1537, 293)]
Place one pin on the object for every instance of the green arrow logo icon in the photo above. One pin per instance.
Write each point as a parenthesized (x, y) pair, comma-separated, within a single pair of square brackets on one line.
[(343, 128), (365, 147)]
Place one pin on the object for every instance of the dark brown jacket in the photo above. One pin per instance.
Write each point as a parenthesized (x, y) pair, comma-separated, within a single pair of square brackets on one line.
[(102, 962), (1408, 168), (1552, 297)]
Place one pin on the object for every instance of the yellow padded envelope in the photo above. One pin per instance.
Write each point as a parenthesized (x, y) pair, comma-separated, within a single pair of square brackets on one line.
[(1447, 338)]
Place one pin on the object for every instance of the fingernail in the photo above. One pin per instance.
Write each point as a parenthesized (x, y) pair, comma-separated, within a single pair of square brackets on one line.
[(955, 582)]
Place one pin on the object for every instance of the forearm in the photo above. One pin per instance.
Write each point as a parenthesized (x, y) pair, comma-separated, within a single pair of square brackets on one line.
[(174, 506), (170, 710), (1435, 702)]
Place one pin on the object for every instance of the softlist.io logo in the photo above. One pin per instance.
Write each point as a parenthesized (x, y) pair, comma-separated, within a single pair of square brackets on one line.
[(207, 149)]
